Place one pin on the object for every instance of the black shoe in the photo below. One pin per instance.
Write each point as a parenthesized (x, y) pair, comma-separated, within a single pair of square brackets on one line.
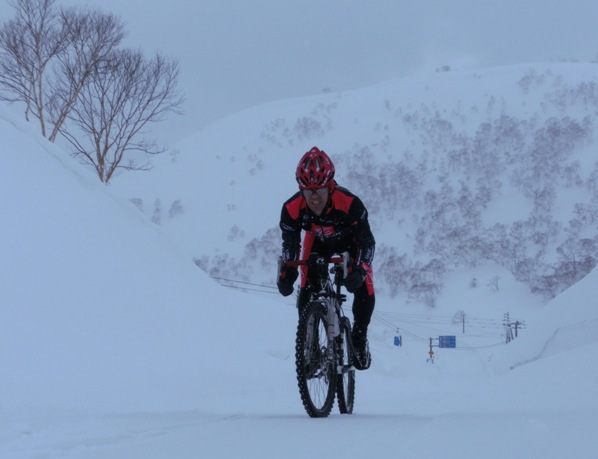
[(361, 349)]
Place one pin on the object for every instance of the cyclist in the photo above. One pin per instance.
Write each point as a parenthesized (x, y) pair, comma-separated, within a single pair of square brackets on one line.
[(334, 220)]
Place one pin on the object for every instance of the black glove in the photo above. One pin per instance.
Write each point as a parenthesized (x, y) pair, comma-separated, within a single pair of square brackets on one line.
[(286, 279), (355, 279)]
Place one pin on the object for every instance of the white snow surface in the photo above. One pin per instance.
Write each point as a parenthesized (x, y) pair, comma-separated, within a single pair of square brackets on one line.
[(113, 344)]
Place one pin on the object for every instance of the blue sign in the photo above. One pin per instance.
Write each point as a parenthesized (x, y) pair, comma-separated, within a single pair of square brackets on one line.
[(447, 341)]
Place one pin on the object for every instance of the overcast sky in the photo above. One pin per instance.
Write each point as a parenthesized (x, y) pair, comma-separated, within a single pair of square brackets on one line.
[(235, 54)]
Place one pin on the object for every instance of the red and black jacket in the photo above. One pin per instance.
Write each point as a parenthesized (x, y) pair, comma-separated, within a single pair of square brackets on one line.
[(342, 226)]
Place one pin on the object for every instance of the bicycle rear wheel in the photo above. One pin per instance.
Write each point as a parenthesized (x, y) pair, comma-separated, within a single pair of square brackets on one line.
[(316, 375), (345, 378)]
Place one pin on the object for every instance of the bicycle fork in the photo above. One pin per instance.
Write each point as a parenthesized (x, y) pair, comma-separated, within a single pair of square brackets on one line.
[(333, 329)]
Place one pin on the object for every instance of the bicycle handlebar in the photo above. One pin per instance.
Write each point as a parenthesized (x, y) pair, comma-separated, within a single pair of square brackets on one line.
[(307, 261)]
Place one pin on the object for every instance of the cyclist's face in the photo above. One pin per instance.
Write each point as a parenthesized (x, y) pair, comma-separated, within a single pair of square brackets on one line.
[(316, 199)]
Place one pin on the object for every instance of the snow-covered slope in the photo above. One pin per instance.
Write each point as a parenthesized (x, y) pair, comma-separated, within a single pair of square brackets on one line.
[(461, 171), (113, 343), (98, 308)]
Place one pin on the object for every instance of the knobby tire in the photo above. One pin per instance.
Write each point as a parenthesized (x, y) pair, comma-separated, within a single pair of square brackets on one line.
[(345, 380), (316, 376)]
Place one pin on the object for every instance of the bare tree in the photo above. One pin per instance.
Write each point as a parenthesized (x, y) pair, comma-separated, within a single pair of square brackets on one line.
[(122, 95), (46, 56), (91, 37), (66, 67), (28, 43)]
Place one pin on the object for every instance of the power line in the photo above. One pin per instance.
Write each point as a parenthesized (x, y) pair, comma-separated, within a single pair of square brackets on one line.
[(241, 282), (393, 319), (262, 288), (390, 319)]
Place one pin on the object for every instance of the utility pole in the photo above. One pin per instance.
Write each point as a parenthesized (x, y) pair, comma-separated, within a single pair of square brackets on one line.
[(517, 325), (459, 317), (510, 327), (431, 352), (508, 335)]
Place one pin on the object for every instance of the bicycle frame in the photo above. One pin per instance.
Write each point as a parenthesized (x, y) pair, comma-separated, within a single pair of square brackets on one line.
[(325, 290)]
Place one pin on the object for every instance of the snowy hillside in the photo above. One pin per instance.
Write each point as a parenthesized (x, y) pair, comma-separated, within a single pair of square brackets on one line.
[(489, 171), (113, 344)]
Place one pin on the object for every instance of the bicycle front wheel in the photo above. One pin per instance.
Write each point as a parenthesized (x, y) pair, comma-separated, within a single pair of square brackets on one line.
[(345, 378), (316, 372)]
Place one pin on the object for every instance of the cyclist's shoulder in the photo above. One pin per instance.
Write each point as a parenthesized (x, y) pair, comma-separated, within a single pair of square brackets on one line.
[(294, 205), (344, 199), (296, 196)]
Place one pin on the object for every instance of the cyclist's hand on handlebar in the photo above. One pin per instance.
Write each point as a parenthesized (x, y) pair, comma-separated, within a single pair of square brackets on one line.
[(355, 279), (286, 279)]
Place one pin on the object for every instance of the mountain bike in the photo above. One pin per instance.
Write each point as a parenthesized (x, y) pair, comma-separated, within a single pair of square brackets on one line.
[(323, 347)]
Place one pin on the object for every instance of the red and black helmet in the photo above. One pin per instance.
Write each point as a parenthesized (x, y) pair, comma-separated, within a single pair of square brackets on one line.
[(315, 170)]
